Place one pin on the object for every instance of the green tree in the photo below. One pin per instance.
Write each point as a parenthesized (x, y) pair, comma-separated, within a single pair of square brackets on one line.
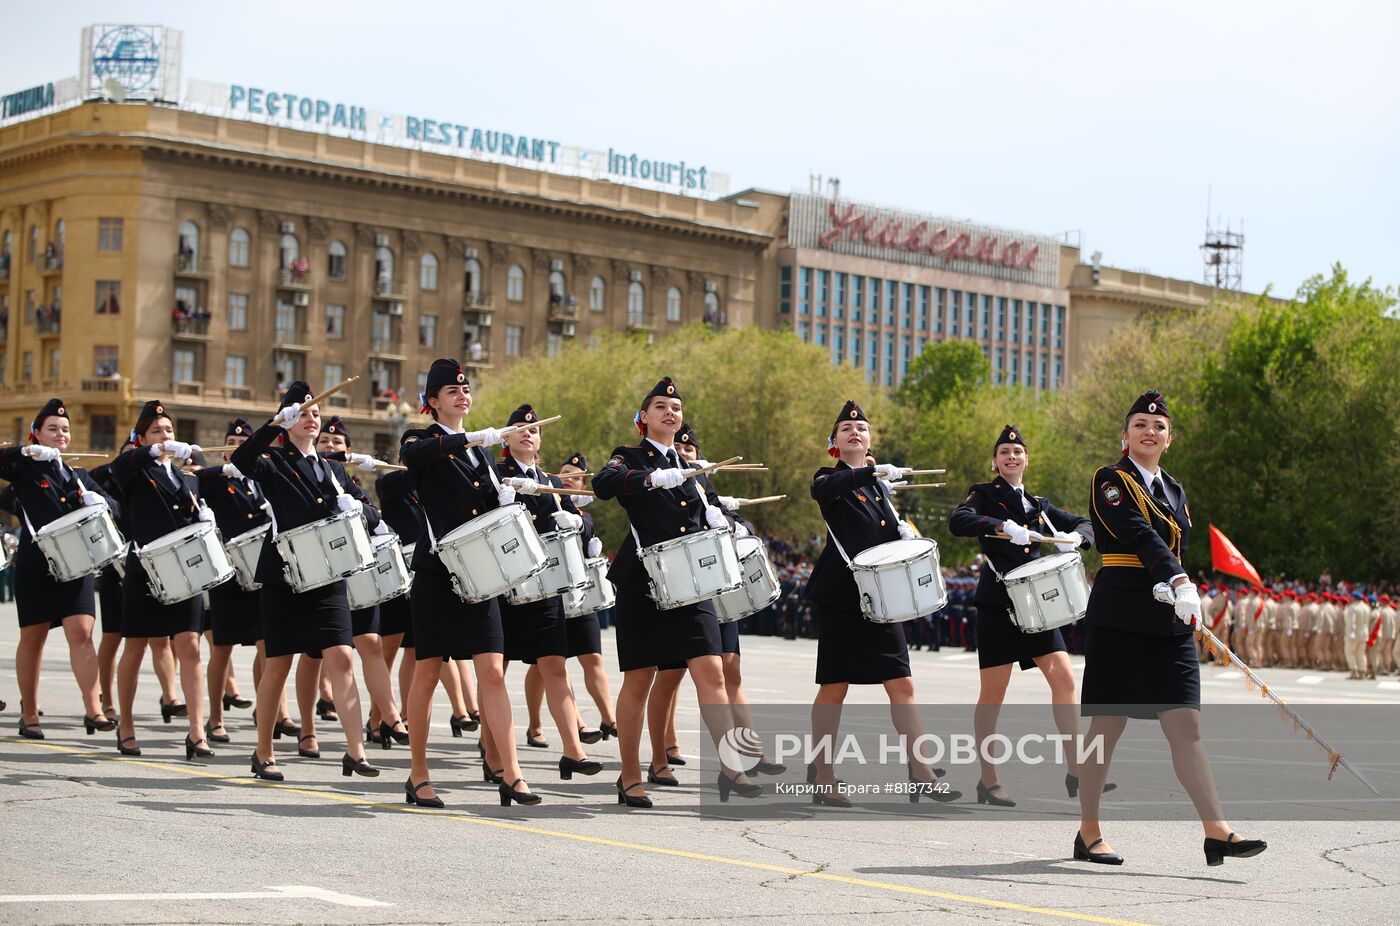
[(943, 370)]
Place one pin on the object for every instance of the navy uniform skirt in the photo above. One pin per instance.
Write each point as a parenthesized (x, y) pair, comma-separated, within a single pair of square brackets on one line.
[(855, 651), (40, 599), (535, 630), (446, 627), (109, 600), (396, 616), (364, 620), (143, 616), (1000, 642), (1138, 675), (236, 617), (585, 637), (305, 622), (648, 637)]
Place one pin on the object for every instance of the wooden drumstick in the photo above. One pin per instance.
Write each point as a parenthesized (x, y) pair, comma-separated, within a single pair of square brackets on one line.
[(1035, 538), (318, 399), (569, 475), (390, 467), (555, 490), (711, 468), (926, 472), (512, 428), (743, 469), (745, 502), (921, 485), (81, 453)]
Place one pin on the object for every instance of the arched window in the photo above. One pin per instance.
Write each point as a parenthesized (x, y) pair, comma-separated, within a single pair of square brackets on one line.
[(673, 304), (473, 278), (288, 251), (428, 271), (515, 283), (189, 241), (238, 242), (636, 303), (597, 294), (383, 269), (712, 314), (335, 268), (556, 286), (58, 232)]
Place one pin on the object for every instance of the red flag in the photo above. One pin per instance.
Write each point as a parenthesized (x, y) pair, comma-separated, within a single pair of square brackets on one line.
[(1224, 557)]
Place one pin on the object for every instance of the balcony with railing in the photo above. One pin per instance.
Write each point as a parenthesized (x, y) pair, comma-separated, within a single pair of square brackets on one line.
[(389, 290), (188, 264), (291, 337), (562, 308), (387, 347), (48, 322), (296, 278), (195, 327), (51, 263), (640, 322), (476, 355)]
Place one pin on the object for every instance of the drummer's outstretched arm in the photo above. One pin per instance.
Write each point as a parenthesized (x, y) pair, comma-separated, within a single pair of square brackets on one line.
[(1069, 522), (9, 456), (829, 483), (615, 479), (248, 456), (420, 451), (967, 520), (128, 465)]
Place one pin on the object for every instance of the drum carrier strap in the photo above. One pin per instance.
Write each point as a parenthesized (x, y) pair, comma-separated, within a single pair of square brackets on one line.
[(889, 503), (704, 504)]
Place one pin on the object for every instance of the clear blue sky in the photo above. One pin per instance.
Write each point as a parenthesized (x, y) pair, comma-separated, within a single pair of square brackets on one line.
[(1110, 118)]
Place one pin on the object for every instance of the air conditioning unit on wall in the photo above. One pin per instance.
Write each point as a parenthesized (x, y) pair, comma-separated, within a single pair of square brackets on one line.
[(396, 308), (302, 298)]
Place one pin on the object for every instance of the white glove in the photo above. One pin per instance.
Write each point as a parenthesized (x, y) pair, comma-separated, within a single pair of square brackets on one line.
[(177, 449), (362, 461), (890, 471), (567, 520), (287, 415), (1019, 534), (349, 503), (93, 500), (668, 478), (505, 495), (489, 437), (41, 453), (523, 485), (741, 529), (715, 518), (729, 503), (595, 548), (906, 532), (195, 448), (380, 530), (1071, 540), (230, 470), (1188, 605), (581, 501), (205, 514)]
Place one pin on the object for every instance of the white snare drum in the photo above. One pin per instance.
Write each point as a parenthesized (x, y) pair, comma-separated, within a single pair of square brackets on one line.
[(899, 580), (243, 552), (760, 588), (80, 543), (693, 568), (492, 553), (184, 563), (387, 578), (1048, 592), (565, 568), (325, 551), (597, 595)]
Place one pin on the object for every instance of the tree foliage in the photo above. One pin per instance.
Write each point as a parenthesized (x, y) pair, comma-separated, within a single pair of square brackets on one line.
[(944, 370)]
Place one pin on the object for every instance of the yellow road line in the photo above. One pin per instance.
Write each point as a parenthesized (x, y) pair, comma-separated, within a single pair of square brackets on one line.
[(591, 840)]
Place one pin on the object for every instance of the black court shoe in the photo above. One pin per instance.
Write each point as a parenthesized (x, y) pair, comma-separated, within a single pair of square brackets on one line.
[(524, 798), (28, 732), (1072, 786), (1218, 849), (930, 790), (492, 778), (459, 724), (285, 727), (266, 770), (608, 729), (538, 742), (589, 737), (237, 701), (372, 736), (628, 800), (216, 737), (985, 796), (325, 710), (568, 766), (123, 748), (349, 766), (308, 753), (828, 796), (673, 756), (656, 778), (410, 795), (100, 722), (727, 785), (387, 732), (168, 711), (1082, 853), (194, 750), (764, 767)]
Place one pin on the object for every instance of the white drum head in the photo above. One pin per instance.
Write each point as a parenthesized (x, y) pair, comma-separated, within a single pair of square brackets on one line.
[(179, 536), (896, 551), (746, 545), (1041, 566)]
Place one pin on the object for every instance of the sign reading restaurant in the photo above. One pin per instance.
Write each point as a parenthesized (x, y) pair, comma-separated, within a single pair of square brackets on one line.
[(888, 234)]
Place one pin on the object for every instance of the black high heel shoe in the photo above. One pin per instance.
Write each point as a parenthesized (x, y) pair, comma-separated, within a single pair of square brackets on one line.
[(524, 798), (538, 742), (764, 767), (325, 710), (829, 796), (285, 727), (1218, 849), (266, 770), (308, 753), (930, 789), (628, 800), (410, 794), (727, 784), (985, 796), (1072, 785), (28, 732), (194, 750), (458, 725), (492, 778), (653, 778), (216, 737), (387, 732), (608, 729), (568, 766), (100, 722), (589, 737), (673, 756), (473, 723), (349, 766), (1082, 853), (372, 736), (381, 736), (123, 748), (237, 701), (167, 711)]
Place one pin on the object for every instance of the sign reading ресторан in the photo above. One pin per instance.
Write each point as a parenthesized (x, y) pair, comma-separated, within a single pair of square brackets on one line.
[(877, 232)]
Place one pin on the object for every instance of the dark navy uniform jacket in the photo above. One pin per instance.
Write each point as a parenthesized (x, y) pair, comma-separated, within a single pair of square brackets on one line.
[(656, 515), (292, 488), (45, 492), (237, 503), (1142, 543), (981, 513), (157, 501), (454, 484), (399, 506), (857, 510), (541, 507)]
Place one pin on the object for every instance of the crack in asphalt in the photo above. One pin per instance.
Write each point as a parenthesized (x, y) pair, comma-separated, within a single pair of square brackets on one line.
[(748, 835), (1326, 855)]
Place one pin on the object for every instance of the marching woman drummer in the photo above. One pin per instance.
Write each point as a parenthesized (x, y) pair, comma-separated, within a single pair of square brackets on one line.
[(651, 484), (158, 501), (535, 631), (1004, 505), (1139, 657), (46, 490), (333, 443), (301, 488), (850, 649), (455, 484), (238, 507)]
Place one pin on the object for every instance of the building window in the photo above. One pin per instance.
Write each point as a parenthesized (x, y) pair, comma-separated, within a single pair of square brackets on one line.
[(287, 368), (335, 372), (102, 432), (857, 287), (428, 272), (802, 330), (336, 264), (54, 359), (713, 316), (238, 311), (804, 290), (236, 370), (636, 303), (473, 277), (335, 322), (183, 366), (906, 304), (187, 301), (515, 283), (4, 358), (383, 377), (557, 285), (427, 331), (33, 242), (286, 322), (27, 366), (288, 250), (238, 248), (109, 235), (383, 269), (514, 335), (552, 344), (109, 297), (597, 294), (104, 361), (673, 304), (1059, 332), (820, 339), (189, 243)]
